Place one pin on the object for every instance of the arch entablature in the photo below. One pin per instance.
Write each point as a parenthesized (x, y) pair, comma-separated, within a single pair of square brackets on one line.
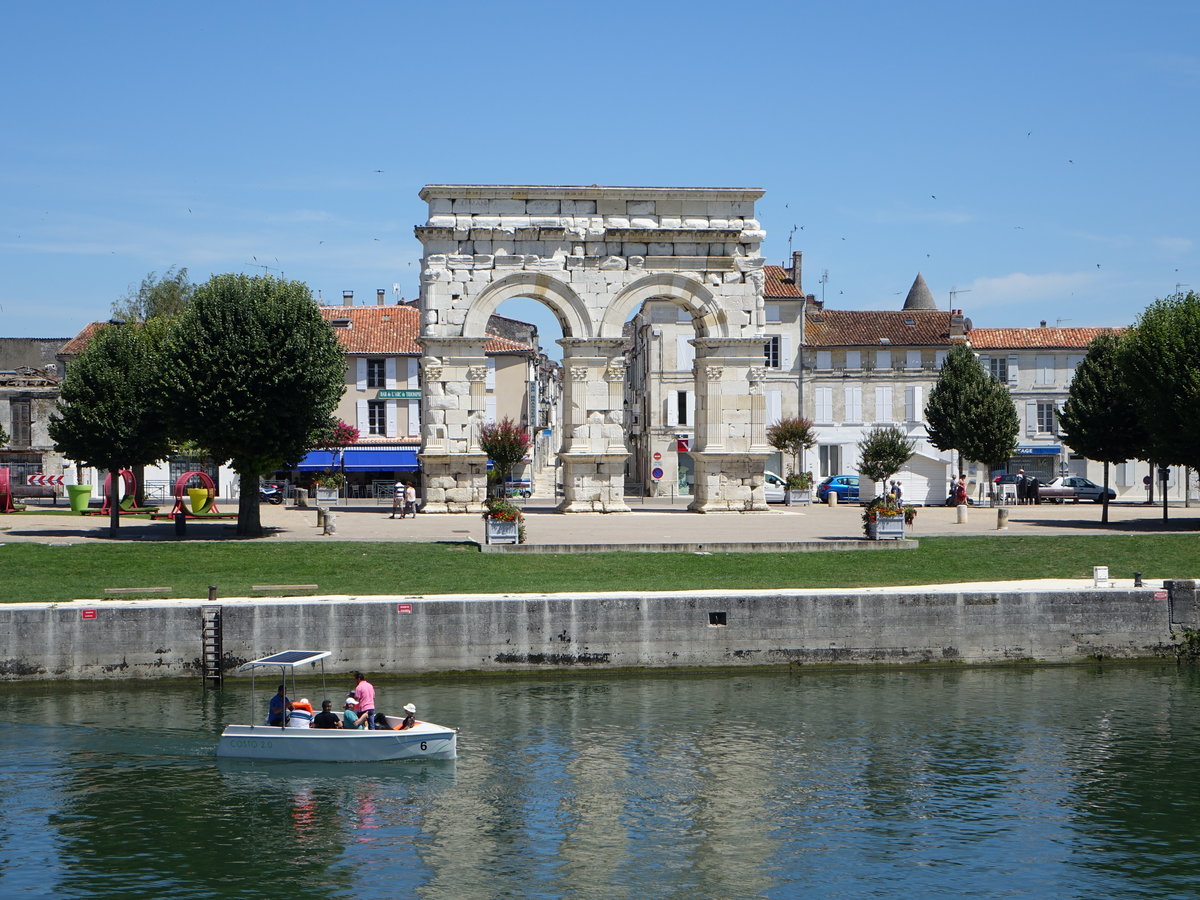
[(567, 305)]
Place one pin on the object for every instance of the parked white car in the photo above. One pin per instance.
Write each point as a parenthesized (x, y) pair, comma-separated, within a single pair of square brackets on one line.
[(774, 487)]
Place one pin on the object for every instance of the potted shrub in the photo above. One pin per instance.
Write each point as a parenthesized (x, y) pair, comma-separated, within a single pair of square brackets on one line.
[(329, 485), (883, 519), (503, 522), (799, 487)]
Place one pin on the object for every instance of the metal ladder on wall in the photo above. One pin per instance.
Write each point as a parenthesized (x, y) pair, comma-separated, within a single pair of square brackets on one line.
[(210, 642)]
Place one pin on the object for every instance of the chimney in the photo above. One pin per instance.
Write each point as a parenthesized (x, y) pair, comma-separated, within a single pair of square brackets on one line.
[(797, 257), (1043, 323), (347, 298), (958, 331), (379, 292)]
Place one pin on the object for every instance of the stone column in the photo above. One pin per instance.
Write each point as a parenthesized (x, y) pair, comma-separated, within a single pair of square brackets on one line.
[(453, 404), (593, 452), (730, 450)]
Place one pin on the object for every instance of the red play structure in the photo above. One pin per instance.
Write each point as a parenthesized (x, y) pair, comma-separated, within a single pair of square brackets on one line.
[(128, 496), (207, 509)]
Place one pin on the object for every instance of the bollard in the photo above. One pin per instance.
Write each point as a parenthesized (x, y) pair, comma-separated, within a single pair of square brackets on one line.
[(962, 514), (180, 523), (330, 522), (1002, 519), (831, 498), (301, 498), (320, 516)]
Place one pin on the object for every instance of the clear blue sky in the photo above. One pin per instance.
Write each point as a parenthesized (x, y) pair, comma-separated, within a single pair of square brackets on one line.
[(1039, 157)]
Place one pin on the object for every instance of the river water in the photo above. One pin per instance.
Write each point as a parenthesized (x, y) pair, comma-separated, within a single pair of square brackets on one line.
[(1040, 782)]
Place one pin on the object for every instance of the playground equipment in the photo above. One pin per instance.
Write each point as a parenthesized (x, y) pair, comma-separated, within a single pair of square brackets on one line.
[(202, 504), (127, 505), (6, 501)]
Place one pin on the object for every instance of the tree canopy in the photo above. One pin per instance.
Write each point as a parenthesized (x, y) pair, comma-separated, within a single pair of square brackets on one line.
[(883, 452), (109, 415), (971, 412), (254, 376), (1100, 418), (506, 443), (792, 436), (167, 296), (1162, 370)]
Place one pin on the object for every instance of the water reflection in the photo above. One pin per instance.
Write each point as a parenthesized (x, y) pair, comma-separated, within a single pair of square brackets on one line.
[(1005, 782)]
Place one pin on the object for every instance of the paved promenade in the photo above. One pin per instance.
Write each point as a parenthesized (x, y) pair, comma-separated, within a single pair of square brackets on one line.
[(651, 522)]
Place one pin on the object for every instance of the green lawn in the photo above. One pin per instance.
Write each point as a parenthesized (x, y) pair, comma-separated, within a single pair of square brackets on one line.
[(37, 572)]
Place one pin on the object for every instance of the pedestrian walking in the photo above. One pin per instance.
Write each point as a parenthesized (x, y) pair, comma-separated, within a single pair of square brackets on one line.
[(410, 501), (397, 500)]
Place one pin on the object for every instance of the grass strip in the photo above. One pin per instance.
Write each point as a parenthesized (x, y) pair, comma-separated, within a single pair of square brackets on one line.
[(39, 572)]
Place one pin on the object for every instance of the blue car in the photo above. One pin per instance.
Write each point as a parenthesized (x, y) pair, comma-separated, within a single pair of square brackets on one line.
[(845, 486)]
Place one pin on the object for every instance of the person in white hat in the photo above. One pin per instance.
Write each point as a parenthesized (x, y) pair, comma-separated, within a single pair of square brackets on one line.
[(350, 714), (410, 717)]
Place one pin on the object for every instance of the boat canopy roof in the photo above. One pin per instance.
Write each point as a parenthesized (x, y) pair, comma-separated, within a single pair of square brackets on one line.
[(288, 659)]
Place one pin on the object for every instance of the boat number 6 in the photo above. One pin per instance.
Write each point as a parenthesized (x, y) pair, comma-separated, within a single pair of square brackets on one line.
[(423, 747)]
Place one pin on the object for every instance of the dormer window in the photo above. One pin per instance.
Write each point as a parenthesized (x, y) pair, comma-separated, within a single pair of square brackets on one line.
[(340, 323)]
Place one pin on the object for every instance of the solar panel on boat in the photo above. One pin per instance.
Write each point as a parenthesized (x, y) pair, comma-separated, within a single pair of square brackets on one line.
[(290, 658)]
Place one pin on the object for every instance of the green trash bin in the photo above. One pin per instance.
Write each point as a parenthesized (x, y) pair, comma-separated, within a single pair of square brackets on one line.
[(80, 496)]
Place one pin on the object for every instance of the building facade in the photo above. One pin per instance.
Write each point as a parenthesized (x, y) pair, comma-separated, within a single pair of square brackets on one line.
[(866, 368), (30, 379)]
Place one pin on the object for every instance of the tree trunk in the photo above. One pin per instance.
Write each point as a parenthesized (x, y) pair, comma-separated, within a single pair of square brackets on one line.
[(248, 523), (114, 500), (1104, 515)]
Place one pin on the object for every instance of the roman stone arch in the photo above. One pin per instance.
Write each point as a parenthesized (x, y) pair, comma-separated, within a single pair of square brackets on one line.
[(593, 255)]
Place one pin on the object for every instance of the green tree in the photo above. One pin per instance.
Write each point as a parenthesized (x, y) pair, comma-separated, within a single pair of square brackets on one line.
[(883, 452), (109, 415), (1161, 366), (971, 412), (792, 436), (506, 443), (254, 376), (167, 296), (1100, 418)]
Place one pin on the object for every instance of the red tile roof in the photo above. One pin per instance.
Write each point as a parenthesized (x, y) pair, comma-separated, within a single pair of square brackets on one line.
[(1034, 338), (373, 329), (776, 287), (865, 328), (76, 344), (393, 329)]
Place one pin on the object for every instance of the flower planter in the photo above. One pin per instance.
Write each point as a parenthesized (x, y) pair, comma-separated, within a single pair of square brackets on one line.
[(799, 495), (327, 494), (80, 495), (886, 528), (498, 531)]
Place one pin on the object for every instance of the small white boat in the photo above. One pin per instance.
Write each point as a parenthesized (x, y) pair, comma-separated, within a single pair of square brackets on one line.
[(424, 740)]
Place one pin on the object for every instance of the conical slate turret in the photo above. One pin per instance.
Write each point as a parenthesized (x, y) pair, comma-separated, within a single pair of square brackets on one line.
[(919, 296)]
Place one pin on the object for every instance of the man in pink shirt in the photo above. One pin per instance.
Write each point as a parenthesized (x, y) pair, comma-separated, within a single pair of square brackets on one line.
[(364, 693)]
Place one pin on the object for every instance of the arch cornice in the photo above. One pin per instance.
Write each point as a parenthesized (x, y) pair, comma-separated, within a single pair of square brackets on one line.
[(571, 311), (689, 293)]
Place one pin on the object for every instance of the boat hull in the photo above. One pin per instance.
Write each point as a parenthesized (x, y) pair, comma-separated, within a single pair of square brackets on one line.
[(424, 741)]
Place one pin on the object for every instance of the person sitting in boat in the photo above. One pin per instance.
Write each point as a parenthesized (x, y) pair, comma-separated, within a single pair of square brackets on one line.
[(326, 718), (301, 714), (278, 710), (410, 717), (350, 714)]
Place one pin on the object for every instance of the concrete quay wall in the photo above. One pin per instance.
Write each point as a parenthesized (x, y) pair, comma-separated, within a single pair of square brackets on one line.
[(450, 634)]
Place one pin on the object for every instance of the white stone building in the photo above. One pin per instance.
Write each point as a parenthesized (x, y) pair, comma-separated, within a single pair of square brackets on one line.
[(1038, 365), (864, 368)]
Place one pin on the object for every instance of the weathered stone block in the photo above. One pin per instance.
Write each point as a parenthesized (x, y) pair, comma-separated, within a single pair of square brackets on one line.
[(641, 208)]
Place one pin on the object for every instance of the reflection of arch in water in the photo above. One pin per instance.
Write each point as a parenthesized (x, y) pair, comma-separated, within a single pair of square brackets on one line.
[(566, 305), (207, 508)]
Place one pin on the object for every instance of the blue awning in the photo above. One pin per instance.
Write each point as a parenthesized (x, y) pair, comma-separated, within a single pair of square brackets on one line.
[(1039, 450), (362, 459)]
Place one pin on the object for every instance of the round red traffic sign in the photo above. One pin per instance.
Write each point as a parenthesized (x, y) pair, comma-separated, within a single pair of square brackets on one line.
[(657, 456), (656, 473)]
